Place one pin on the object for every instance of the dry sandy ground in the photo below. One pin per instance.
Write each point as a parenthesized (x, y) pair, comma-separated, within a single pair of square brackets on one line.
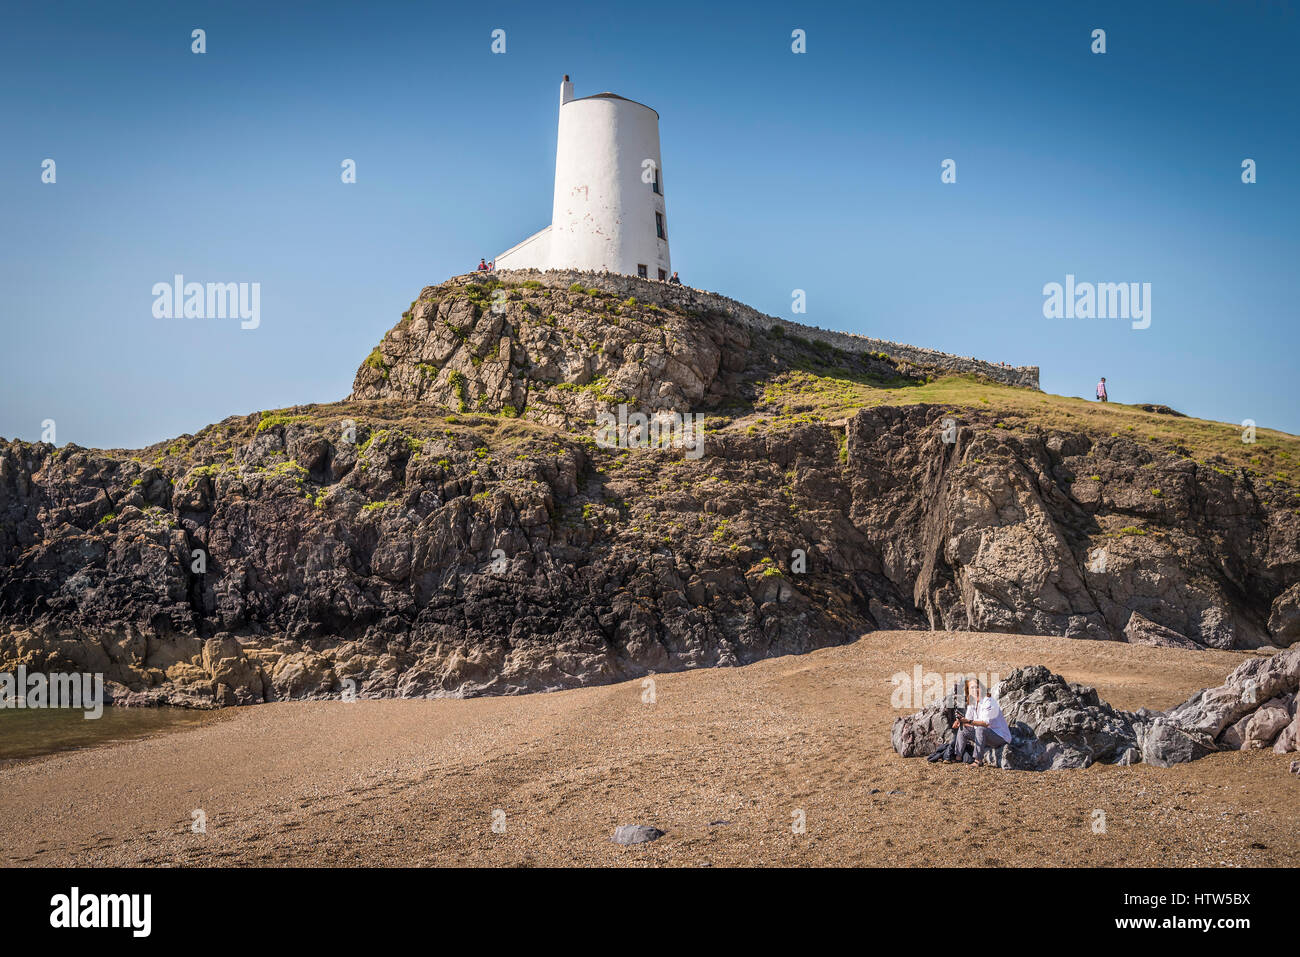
[(721, 762)]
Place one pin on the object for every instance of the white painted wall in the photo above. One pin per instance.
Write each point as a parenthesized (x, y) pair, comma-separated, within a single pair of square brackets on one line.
[(533, 253), (603, 214)]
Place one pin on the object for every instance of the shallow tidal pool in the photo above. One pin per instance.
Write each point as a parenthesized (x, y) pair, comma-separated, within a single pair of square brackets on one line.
[(28, 733)]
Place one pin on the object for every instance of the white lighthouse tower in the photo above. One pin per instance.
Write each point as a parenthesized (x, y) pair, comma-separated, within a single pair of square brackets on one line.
[(608, 212)]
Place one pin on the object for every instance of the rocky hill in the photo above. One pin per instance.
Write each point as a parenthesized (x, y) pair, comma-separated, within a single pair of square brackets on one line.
[(455, 527)]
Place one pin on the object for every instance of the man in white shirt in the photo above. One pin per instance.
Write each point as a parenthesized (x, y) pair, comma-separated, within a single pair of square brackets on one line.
[(983, 726)]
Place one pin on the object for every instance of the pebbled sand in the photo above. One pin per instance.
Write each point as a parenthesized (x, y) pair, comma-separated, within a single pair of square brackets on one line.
[(416, 782)]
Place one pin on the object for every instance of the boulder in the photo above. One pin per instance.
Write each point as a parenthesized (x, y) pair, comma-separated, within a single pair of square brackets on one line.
[(1250, 684), (923, 733), (1289, 739), (1141, 630), (302, 675), (636, 834), (226, 665), (1267, 722), (1164, 743), (1234, 735), (1058, 724)]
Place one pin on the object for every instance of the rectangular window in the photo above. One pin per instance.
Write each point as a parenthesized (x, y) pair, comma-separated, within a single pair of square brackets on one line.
[(659, 225), (656, 186), (662, 275), (641, 271)]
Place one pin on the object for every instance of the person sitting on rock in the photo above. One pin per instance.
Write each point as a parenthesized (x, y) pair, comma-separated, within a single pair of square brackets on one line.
[(675, 280), (1101, 390), (482, 264), (983, 723)]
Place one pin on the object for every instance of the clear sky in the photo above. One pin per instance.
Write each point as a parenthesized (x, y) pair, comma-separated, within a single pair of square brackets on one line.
[(817, 171)]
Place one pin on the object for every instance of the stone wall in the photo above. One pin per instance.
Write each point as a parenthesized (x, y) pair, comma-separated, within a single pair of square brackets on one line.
[(685, 298)]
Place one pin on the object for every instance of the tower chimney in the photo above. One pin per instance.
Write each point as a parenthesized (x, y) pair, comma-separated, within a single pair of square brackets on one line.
[(566, 90)]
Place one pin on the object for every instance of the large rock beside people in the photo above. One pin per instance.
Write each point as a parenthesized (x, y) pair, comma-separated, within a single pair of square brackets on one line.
[(1058, 724)]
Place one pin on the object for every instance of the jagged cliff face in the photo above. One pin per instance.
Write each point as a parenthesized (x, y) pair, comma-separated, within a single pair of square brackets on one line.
[(1061, 534), (394, 544)]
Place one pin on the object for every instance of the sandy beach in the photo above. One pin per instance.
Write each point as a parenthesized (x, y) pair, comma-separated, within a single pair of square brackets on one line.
[(722, 761)]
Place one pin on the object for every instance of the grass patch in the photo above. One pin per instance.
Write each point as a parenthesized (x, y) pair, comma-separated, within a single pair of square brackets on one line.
[(460, 386), (271, 421), (376, 361)]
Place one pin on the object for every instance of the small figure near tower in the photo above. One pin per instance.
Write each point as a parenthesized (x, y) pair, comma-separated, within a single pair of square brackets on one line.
[(608, 212)]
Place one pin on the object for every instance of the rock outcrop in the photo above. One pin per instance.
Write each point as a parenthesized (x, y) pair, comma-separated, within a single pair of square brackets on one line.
[(455, 528), (576, 307), (1057, 724), (1251, 709), (1054, 724)]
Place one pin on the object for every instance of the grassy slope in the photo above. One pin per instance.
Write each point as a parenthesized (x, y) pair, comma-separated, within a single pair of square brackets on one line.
[(820, 394)]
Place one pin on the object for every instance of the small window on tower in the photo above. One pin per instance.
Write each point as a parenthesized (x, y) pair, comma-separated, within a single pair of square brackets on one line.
[(642, 272), (659, 225), (656, 186), (662, 275)]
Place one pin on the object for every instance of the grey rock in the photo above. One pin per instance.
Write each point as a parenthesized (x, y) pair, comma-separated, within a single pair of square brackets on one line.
[(1055, 724), (1249, 685), (920, 734), (1141, 630), (1234, 735), (1164, 743), (1130, 756), (636, 834), (1289, 739), (1267, 723)]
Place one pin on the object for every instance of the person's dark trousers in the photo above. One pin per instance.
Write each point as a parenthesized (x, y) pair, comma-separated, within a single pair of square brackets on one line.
[(982, 738)]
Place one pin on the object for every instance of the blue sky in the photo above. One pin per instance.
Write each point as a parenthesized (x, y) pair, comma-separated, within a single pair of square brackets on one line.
[(818, 171)]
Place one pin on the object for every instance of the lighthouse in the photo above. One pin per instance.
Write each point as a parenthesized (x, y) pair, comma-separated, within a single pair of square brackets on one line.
[(608, 210)]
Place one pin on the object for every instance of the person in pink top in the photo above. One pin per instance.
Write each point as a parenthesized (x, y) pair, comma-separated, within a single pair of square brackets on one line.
[(1101, 391)]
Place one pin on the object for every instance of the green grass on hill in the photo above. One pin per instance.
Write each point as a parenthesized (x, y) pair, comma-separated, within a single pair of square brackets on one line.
[(806, 396)]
